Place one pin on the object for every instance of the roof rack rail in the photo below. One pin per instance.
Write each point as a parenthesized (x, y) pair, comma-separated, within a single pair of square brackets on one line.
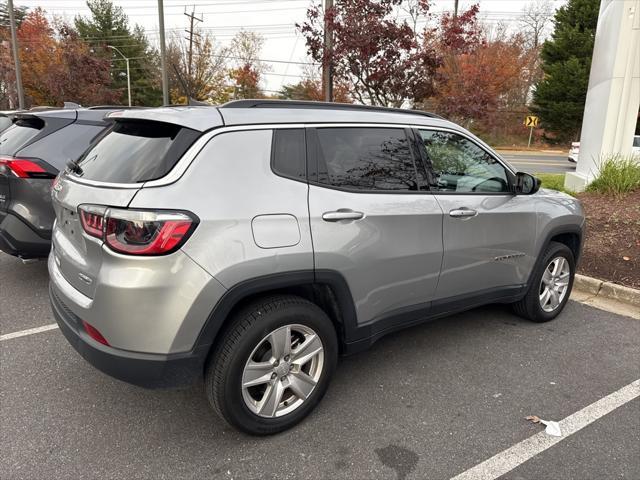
[(319, 105), (111, 107)]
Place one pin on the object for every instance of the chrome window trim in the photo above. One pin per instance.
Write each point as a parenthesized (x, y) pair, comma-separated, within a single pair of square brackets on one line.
[(185, 162)]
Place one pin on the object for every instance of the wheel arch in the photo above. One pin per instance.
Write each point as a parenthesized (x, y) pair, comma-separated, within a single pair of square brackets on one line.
[(325, 288)]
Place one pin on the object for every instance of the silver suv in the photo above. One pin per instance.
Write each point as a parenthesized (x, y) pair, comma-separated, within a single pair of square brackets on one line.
[(252, 243)]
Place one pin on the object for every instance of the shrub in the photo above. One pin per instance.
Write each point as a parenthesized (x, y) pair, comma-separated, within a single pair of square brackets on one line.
[(554, 181), (618, 174)]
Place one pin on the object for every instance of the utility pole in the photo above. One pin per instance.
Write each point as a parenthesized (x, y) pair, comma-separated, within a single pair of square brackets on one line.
[(191, 33), (16, 57), (327, 64), (455, 9), (128, 72), (163, 55)]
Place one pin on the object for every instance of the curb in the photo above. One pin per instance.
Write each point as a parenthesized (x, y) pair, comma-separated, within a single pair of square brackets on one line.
[(600, 288)]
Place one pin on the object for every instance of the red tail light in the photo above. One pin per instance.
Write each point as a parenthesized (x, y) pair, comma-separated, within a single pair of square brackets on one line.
[(136, 232), (94, 333), (24, 168), (92, 221)]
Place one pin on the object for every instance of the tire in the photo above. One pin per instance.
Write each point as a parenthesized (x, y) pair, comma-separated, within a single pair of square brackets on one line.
[(251, 409), (530, 306)]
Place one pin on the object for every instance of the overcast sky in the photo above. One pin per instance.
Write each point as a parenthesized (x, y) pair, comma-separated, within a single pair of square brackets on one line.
[(274, 19)]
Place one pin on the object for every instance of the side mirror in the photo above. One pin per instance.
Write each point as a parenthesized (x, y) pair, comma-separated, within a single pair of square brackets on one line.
[(526, 184)]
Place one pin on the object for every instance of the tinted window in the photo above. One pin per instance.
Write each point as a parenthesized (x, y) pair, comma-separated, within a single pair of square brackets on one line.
[(289, 153), (636, 141), (365, 159), (18, 135), (5, 122), (68, 143), (459, 165), (136, 151)]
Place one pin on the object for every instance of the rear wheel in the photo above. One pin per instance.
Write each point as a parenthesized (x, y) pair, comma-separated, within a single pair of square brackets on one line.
[(551, 285), (273, 364)]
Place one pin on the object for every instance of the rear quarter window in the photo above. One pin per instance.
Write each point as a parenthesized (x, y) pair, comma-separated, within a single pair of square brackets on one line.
[(136, 151), (5, 122), (19, 134)]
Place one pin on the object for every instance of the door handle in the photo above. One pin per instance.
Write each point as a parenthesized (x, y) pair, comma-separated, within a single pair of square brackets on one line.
[(342, 214), (463, 213)]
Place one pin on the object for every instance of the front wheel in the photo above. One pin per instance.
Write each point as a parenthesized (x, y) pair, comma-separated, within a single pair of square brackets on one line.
[(273, 364), (550, 286)]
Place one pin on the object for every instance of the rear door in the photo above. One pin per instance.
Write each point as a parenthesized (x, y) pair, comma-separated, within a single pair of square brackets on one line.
[(109, 174), (488, 232), (372, 220)]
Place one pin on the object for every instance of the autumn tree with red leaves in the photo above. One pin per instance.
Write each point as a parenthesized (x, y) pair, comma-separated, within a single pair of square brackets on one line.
[(57, 66), (480, 76), (378, 55)]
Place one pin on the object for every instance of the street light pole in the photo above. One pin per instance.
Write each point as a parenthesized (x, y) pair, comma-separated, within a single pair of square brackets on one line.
[(16, 58), (128, 73)]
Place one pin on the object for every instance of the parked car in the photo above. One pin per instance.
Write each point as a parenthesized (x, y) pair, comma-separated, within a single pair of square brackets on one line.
[(252, 243), (635, 148), (574, 151), (32, 152)]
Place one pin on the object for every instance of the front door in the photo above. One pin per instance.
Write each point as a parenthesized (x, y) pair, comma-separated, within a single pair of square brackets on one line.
[(373, 219), (488, 232)]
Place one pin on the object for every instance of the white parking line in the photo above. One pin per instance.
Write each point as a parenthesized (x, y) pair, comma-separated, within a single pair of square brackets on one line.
[(519, 453), (31, 331)]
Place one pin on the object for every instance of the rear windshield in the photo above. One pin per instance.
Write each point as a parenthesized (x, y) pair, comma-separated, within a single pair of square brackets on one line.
[(19, 134), (136, 151)]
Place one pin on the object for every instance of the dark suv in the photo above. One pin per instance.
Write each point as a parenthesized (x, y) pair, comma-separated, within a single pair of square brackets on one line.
[(32, 152)]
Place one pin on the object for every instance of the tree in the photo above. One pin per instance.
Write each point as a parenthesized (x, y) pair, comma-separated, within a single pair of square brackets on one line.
[(57, 66), (108, 25), (566, 62), (207, 81), (535, 19), (382, 59), (8, 93), (534, 22), (310, 88), (476, 85), (19, 13), (245, 77)]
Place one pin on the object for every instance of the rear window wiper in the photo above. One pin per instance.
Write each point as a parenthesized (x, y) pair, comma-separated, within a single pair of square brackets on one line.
[(74, 167)]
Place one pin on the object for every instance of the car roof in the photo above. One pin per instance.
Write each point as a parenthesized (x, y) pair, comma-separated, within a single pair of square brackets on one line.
[(256, 112)]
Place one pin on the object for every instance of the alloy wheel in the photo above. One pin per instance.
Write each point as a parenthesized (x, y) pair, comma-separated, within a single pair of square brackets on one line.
[(554, 284), (282, 371)]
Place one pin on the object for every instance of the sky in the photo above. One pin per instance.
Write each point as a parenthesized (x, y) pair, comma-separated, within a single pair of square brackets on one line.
[(274, 19)]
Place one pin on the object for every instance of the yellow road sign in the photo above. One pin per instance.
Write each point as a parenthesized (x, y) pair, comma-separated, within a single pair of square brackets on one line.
[(531, 121)]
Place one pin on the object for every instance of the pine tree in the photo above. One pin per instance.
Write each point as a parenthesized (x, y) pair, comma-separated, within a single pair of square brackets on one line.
[(559, 97), (108, 25)]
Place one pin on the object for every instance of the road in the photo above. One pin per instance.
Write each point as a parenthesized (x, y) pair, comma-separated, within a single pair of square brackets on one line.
[(538, 162), (430, 402)]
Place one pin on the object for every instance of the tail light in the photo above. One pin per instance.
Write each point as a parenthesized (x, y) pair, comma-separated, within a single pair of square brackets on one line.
[(24, 168), (136, 232)]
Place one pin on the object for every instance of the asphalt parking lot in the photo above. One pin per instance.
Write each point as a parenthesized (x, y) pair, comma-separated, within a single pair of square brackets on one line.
[(430, 402)]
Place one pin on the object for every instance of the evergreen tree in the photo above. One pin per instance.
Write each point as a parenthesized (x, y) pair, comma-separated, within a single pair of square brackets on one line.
[(108, 25), (559, 97), (18, 11)]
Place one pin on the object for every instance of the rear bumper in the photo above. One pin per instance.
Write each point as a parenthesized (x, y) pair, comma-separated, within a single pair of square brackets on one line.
[(20, 240), (142, 369)]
